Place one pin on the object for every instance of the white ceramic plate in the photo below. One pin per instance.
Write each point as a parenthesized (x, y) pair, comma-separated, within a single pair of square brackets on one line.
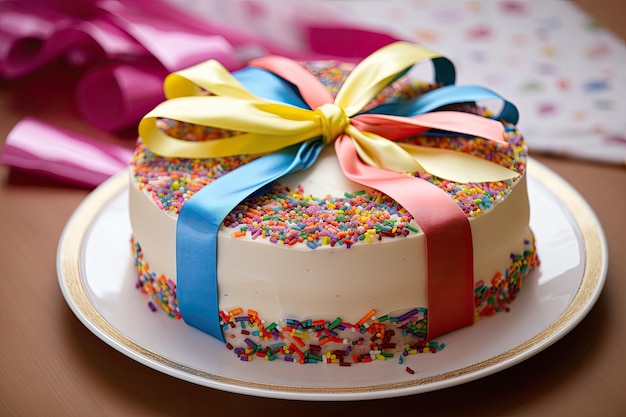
[(97, 277)]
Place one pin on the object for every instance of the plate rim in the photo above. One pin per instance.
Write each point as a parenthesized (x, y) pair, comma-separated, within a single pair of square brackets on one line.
[(69, 267)]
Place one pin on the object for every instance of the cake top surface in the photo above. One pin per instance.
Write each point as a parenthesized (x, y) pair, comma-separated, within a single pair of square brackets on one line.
[(290, 215)]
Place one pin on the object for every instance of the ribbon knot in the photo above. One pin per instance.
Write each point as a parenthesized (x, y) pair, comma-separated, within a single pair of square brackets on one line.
[(333, 121)]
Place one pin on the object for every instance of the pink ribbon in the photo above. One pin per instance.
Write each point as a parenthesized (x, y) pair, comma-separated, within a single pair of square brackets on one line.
[(38, 147), (123, 46), (447, 231)]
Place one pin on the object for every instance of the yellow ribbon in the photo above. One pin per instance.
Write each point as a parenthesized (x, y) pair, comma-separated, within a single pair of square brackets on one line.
[(265, 126)]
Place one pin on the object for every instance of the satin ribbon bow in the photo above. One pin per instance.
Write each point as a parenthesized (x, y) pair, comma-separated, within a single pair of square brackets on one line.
[(268, 126), (287, 115)]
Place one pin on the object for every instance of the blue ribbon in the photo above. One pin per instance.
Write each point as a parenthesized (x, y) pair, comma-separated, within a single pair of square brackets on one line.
[(265, 84), (447, 95), (201, 216)]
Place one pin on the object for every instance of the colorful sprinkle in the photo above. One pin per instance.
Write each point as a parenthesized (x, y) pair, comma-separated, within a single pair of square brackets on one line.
[(162, 291)]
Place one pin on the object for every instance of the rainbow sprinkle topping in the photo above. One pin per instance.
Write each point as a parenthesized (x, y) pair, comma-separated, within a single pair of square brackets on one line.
[(288, 218), (161, 290), (334, 342)]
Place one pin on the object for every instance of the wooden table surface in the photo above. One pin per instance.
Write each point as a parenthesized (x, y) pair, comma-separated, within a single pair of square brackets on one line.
[(52, 365)]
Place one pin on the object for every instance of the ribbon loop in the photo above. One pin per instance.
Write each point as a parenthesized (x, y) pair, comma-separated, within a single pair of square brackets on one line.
[(382, 153), (333, 120)]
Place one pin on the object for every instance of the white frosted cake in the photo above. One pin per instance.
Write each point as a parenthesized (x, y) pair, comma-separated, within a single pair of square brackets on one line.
[(319, 267)]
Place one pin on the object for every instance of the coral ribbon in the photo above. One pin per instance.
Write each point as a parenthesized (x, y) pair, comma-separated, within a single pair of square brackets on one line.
[(290, 126)]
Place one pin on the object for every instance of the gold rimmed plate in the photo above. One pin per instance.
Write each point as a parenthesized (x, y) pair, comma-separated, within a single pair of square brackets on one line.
[(97, 278)]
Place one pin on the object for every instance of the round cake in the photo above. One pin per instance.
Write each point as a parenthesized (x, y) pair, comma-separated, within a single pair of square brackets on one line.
[(319, 264)]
